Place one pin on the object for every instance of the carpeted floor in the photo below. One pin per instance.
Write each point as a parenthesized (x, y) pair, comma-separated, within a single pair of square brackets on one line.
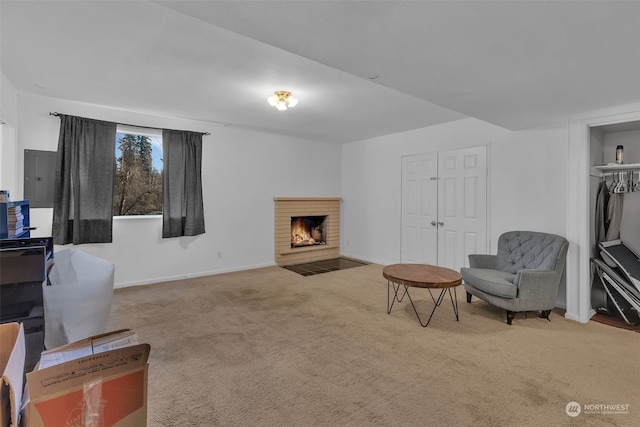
[(269, 347)]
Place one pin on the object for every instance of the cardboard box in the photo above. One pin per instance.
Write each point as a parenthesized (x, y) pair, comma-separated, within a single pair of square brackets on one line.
[(12, 355), (100, 381)]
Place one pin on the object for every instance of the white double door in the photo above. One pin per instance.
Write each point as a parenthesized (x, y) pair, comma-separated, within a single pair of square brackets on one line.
[(444, 207)]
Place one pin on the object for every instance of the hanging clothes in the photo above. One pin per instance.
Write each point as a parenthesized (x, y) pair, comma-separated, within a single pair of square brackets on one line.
[(602, 203), (614, 215)]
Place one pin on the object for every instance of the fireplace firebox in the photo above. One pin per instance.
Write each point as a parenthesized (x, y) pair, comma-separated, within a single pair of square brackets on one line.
[(308, 231)]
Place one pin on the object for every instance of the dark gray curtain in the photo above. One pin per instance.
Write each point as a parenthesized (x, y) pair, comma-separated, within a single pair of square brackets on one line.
[(83, 198), (182, 211)]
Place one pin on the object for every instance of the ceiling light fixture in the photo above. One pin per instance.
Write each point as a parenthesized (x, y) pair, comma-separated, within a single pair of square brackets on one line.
[(282, 100)]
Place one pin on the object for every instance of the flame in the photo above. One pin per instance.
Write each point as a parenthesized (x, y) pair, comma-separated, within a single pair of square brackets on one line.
[(304, 234), (300, 232)]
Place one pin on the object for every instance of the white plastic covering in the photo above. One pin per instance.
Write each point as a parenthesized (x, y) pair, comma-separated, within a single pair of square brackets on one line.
[(78, 301)]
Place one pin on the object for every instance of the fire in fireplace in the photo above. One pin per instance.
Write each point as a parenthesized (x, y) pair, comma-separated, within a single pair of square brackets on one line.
[(308, 231)]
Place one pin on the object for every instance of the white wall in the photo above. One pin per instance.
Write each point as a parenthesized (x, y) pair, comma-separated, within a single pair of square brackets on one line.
[(371, 183), (527, 183), (8, 101), (8, 141), (242, 172)]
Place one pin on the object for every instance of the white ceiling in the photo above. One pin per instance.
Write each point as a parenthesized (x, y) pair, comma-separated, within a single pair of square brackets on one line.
[(359, 68)]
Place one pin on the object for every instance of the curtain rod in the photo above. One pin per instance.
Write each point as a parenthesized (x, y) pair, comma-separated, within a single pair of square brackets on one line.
[(126, 124)]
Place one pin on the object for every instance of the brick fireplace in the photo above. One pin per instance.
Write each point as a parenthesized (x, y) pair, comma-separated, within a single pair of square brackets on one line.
[(322, 239)]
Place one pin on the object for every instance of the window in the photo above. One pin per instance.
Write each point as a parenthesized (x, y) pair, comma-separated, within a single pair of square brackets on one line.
[(138, 176)]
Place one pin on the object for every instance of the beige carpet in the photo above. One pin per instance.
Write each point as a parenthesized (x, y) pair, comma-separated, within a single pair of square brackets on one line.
[(269, 347)]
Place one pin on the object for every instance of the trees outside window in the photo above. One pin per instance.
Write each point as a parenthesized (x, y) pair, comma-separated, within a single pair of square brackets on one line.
[(138, 177)]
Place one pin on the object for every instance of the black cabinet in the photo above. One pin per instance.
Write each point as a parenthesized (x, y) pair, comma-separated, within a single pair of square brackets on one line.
[(23, 272), (22, 303)]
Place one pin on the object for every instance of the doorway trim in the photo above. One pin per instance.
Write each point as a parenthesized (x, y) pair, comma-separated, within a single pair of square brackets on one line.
[(578, 271)]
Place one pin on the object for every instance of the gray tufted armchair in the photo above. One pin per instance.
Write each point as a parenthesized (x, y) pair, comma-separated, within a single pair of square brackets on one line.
[(524, 275)]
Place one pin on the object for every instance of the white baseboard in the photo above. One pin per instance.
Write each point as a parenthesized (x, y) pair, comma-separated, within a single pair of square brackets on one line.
[(190, 275), (366, 259)]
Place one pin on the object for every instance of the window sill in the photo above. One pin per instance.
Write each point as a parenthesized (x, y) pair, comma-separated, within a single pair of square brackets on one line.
[(126, 218)]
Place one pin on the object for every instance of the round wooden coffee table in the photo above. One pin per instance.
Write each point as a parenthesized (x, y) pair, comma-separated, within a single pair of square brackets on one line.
[(421, 276)]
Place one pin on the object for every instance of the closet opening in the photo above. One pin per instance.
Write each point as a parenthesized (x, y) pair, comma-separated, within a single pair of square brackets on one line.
[(615, 211)]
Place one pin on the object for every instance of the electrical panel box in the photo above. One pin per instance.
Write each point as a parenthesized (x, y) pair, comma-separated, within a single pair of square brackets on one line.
[(39, 177)]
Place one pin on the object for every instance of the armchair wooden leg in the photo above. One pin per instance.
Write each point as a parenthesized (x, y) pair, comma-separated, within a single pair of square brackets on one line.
[(468, 297), (544, 314), (510, 316)]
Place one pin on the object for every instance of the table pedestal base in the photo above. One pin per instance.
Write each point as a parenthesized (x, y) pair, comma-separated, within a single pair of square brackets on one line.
[(436, 301)]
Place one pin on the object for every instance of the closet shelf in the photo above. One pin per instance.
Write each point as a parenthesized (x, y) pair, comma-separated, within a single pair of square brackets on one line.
[(614, 167)]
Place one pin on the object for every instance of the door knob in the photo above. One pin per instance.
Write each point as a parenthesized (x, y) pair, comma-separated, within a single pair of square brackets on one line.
[(433, 223), (440, 223)]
